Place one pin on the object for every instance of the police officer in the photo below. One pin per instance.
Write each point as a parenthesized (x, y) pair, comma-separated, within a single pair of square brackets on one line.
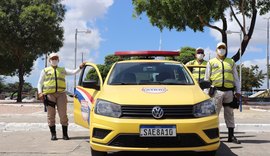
[(198, 73), (52, 85), (222, 73)]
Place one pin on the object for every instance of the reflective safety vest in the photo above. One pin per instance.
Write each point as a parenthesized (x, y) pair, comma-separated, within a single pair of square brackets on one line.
[(222, 73), (54, 80), (198, 73)]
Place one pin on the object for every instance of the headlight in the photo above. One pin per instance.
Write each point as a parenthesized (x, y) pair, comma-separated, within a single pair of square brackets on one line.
[(107, 108), (205, 108)]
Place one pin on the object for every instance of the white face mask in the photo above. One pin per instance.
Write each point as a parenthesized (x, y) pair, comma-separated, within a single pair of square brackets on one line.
[(54, 62), (199, 56), (221, 52)]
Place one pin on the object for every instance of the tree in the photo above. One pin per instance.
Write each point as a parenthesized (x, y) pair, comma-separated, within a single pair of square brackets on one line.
[(12, 88), (187, 54), (29, 28), (104, 68), (109, 61), (252, 77), (198, 14), (2, 85)]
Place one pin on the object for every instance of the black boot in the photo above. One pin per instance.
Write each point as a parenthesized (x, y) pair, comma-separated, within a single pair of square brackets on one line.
[(65, 134), (53, 133), (231, 137)]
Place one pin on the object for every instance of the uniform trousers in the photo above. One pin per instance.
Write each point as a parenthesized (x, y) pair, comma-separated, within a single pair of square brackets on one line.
[(61, 105), (225, 97)]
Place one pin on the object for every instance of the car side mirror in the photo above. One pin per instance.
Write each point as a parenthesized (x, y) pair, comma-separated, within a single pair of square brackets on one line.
[(93, 84), (205, 84)]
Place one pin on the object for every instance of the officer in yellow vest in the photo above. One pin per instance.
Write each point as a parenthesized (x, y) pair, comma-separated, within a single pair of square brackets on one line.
[(198, 73), (51, 87), (222, 73)]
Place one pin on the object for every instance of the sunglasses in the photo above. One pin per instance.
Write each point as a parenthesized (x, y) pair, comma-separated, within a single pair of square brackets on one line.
[(200, 52), (221, 47), (54, 58)]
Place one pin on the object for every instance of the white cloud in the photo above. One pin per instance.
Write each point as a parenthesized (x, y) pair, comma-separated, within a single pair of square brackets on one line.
[(209, 53), (261, 63), (258, 37), (81, 15)]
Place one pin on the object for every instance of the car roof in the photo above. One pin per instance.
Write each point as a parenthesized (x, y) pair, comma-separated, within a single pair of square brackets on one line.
[(150, 61)]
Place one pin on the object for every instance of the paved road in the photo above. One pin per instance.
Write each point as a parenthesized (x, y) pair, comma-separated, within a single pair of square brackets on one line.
[(24, 132), (38, 143)]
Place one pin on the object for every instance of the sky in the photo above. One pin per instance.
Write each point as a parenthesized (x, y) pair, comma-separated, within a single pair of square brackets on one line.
[(114, 29)]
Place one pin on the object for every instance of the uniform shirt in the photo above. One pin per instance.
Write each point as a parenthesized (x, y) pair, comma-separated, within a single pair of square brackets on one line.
[(42, 76), (235, 75)]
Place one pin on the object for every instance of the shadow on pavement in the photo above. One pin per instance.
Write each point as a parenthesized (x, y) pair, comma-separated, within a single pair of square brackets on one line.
[(154, 154), (224, 150), (255, 141), (80, 138), (239, 136)]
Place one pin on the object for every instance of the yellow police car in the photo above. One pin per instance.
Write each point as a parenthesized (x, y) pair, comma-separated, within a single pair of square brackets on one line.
[(145, 105)]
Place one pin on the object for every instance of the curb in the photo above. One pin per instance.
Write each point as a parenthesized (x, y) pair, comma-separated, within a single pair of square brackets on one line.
[(247, 127), (13, 127)]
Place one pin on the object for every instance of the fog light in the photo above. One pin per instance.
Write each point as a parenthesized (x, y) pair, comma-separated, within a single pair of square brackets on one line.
[(212, 133), (100, 133)]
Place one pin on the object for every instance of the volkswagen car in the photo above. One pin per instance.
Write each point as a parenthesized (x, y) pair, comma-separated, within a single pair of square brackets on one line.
[(145, 105)]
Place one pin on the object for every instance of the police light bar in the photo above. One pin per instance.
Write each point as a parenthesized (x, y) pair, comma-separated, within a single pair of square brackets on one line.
[(147, 53)]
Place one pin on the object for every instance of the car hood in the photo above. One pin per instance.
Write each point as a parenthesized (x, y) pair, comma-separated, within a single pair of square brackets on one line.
[(153, 95)]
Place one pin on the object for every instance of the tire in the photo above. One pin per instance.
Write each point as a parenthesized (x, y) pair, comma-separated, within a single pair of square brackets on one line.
[(210, 153), (97, 153)]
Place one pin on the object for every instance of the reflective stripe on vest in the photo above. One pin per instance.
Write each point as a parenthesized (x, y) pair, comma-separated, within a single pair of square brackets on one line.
[(222, 72), (54, 80), (198, 73)]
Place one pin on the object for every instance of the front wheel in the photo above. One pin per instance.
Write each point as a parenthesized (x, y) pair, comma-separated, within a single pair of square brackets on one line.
[(210, 153), (97, 153)]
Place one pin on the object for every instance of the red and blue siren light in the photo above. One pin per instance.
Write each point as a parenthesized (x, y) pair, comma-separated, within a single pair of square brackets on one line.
[(147, 53)]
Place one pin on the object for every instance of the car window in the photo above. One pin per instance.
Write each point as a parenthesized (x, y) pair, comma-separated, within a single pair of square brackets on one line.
[(141, 73), (89, 74)]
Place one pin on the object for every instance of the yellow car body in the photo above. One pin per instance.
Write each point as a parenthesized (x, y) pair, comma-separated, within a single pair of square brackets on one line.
[(126, 116)]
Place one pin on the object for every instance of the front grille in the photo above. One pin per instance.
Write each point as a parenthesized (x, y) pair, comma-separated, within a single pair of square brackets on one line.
[(134, 140), (171, 112)]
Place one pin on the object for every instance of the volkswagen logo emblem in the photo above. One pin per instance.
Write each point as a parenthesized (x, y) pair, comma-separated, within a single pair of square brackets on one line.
[(157, 112)]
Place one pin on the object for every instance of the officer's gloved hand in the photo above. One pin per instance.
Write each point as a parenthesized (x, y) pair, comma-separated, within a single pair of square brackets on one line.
[(212, 91), (41, 96)]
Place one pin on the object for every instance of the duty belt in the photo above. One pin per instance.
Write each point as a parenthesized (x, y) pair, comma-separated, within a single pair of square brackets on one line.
[(47, 102)]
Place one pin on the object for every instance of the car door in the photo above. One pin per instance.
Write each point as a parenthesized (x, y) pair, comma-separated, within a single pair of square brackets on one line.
[(85, 94)]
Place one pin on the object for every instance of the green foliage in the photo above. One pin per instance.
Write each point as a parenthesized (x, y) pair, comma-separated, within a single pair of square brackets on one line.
[(252, 77), (12, 87), (186, 54), (29, 28), (111, 59), (180, 14), (105, 68), (198, 14), (2, 85)]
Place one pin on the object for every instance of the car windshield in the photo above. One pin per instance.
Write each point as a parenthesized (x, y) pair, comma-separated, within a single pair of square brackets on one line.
[(141, 73)]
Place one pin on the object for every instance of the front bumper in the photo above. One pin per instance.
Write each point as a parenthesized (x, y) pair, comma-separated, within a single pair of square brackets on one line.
[(197, 134)]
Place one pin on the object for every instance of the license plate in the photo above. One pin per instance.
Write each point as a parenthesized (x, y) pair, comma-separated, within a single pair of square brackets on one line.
[(158, 131)]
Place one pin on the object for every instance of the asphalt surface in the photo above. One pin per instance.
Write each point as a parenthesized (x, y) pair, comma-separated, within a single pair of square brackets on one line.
[(24, 131)]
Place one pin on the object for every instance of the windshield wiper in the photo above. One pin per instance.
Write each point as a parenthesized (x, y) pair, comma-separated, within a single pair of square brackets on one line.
[(173, 83), (123, 83)]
